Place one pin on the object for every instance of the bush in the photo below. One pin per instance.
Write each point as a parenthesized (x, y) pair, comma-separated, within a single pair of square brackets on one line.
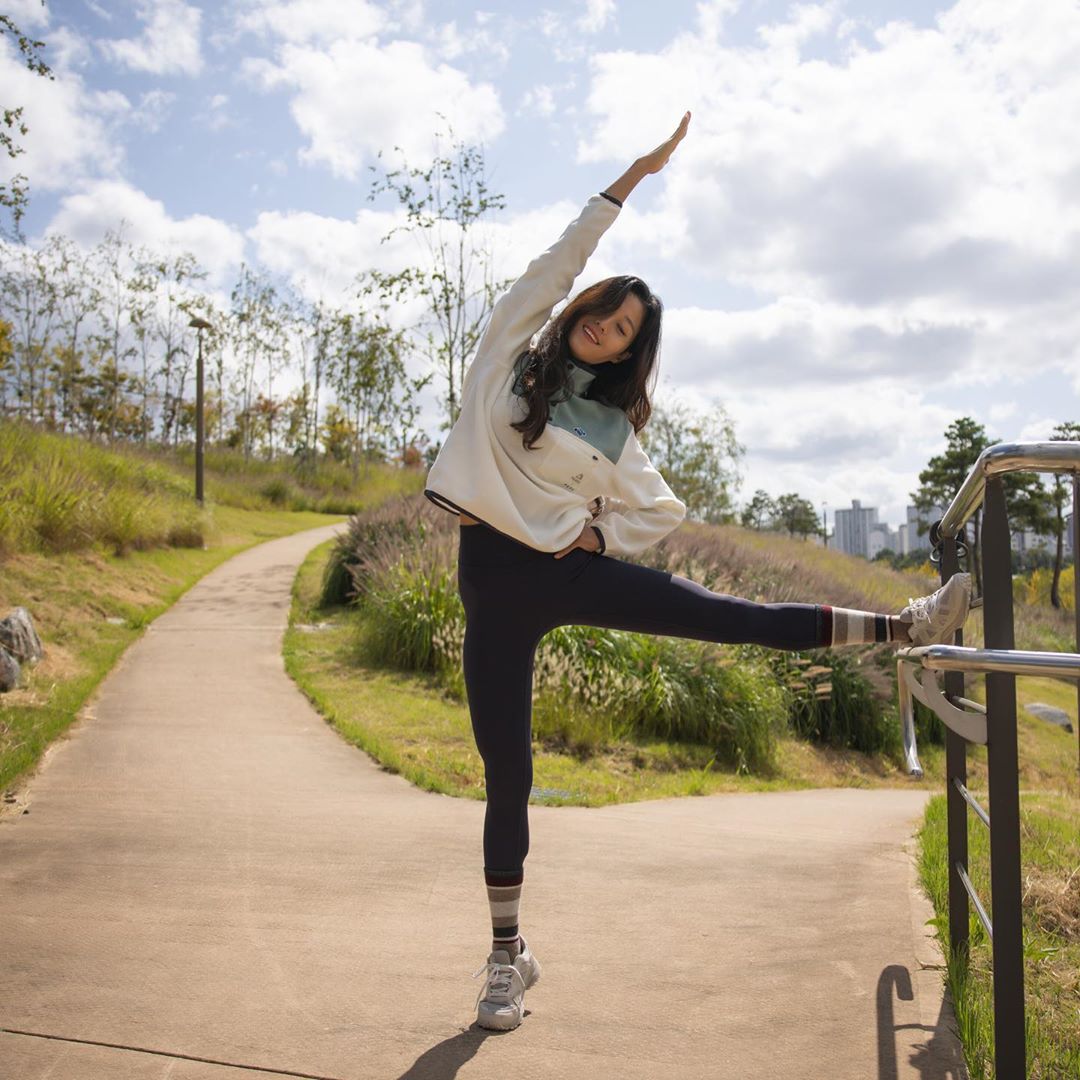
[(593, 686)]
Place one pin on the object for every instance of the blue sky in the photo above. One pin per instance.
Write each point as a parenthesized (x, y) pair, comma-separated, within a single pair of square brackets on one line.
[(871, 229)]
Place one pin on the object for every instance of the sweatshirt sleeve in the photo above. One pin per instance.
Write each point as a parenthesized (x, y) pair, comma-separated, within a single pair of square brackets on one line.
[(644, 509), (527, 304)]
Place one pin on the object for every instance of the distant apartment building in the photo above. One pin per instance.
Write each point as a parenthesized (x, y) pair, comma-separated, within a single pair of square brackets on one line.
[(882, 538), (858, 532), (909, 538), (851, 531)]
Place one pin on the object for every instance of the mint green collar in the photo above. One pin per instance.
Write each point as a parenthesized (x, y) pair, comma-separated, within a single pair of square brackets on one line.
[(580, 376)]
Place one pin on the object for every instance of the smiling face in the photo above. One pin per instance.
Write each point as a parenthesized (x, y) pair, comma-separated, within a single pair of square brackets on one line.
[(601, 339)]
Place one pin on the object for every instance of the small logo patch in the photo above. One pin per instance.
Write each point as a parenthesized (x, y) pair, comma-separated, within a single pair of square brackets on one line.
[(579, 431)]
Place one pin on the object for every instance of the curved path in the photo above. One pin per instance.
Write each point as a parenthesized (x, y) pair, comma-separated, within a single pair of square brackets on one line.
[(211, 884)]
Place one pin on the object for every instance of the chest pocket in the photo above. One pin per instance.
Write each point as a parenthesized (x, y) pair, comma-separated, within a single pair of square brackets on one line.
[(569, 462)]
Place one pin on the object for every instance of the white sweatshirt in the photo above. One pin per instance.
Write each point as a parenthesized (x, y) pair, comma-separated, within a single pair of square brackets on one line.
[(588, 452)]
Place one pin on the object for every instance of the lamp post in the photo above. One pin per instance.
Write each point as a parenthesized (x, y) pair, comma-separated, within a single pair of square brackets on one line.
[(200, 325)]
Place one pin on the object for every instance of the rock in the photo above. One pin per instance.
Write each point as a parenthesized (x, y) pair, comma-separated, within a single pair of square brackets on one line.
[(9, 671), (19, 638), (1049, 712)]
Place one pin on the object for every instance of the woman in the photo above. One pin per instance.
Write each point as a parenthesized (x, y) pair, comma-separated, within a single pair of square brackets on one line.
[(544, 468)]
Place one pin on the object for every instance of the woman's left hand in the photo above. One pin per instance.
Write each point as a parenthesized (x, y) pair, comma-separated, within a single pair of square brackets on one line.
[(587, 540)]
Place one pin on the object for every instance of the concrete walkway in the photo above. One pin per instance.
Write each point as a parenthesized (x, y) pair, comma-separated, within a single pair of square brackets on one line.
[(211, 884)]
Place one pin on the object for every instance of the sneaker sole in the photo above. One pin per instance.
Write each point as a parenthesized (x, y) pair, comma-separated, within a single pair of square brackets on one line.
[(497, 1023)]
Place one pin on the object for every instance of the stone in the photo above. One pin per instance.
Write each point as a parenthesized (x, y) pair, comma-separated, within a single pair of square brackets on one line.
[(19, 638), (1050, 713), (9, 671)]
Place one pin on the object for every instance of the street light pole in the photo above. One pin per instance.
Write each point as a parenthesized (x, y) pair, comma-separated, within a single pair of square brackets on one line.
[(200, 325)]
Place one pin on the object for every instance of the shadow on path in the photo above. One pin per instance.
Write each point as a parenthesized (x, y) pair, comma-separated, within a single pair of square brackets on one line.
[(444, 1059), (933, 1059)]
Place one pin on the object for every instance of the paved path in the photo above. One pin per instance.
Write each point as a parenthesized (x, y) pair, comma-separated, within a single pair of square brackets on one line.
[(210, 878)]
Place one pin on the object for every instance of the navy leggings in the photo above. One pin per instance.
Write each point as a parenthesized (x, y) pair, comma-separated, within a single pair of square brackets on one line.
[(514, 594)]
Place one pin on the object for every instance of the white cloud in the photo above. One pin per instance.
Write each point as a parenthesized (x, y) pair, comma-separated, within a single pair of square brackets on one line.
[(540, 100), (153, 109), (598, 13), (356, 98), (486, 39), (98, 10), (69, 126), (169, 43), (910, 205), (304, 21), (98, 206), (27, 14)]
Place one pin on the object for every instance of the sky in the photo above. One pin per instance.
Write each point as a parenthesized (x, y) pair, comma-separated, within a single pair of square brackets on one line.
[(871, 229)]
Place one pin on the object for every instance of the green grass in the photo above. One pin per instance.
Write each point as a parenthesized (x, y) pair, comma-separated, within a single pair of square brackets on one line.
[(1050, 857), (61, 493)]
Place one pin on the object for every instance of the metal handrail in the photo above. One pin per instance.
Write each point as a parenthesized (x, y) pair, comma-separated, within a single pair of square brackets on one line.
[(921, 671), (1056, 456), (1011, 661)]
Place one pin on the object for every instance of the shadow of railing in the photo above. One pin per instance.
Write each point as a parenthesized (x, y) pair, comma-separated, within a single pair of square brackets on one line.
[(940, 1058)]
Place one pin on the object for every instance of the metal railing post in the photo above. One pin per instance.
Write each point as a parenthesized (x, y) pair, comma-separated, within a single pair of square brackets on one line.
[(955, 770), (1003, 765), (1076, 593)]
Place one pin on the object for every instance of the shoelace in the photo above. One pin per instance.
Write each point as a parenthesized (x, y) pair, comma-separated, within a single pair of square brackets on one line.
[(919, 609), (500, 980)]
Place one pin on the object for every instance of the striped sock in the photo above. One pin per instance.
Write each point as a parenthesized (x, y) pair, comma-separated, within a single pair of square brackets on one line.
[(842, 626), (504, 897)]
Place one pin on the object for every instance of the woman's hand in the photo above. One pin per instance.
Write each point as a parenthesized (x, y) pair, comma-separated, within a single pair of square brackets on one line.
[(587, 540), (650, 163), (654, 162)]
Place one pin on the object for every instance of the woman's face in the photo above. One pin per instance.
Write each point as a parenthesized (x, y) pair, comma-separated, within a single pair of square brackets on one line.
[(601, 339)]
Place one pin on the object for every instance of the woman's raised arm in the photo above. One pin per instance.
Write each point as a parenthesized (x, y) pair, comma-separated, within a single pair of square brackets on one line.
[(649, 163)]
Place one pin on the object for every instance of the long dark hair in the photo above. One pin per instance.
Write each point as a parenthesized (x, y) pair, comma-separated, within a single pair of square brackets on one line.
[(544, 368)]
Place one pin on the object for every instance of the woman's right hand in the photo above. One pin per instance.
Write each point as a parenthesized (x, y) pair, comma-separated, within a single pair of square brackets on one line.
[(654, 162)]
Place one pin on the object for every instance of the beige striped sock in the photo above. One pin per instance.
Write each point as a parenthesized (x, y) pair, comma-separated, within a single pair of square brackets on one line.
[(505, 901), (851, 627)]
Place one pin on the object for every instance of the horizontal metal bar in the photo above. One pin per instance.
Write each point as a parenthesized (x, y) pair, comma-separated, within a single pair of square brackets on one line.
[(970, 799), (1009, 661), (967, 703), (979, 909), (1053, 456)]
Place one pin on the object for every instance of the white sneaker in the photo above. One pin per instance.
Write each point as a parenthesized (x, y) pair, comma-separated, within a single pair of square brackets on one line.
[(935, 618), (500, 1005)]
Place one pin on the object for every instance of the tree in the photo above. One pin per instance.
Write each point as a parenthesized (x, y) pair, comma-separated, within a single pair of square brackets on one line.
[(1060, 494), (13, 194), (29, 300), (945, 473), (1030, 505), (698, 455), (759, 512), (446, 205), (338, 434), (78, 299), (797, 515), (254, 327)]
